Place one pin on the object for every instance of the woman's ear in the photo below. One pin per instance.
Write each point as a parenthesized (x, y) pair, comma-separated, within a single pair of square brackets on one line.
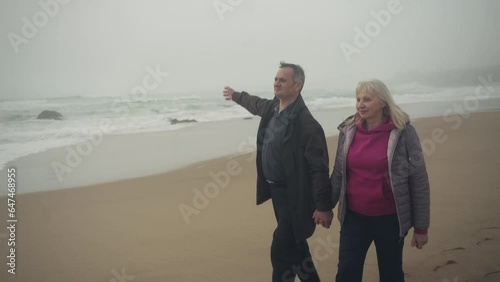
[(385, 111)]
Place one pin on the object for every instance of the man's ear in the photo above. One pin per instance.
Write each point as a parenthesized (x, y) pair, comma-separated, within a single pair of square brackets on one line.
[(298, 86)]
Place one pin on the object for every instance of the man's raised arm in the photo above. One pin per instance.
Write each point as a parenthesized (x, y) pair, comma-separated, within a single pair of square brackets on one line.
[(254, 104)]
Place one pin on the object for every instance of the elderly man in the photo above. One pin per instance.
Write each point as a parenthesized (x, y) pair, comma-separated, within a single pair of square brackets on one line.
[(292, 170)]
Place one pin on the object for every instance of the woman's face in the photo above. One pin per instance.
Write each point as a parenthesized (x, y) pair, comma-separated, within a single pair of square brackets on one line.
[(369, 107)]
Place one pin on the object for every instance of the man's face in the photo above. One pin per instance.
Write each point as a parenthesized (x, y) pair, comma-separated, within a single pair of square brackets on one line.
[(284, 87)]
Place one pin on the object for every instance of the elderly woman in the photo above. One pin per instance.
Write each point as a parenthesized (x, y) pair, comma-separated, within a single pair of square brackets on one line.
[(380, 184)]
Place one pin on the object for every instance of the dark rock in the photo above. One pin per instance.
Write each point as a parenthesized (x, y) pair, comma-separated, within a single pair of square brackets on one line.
[(176, 121), (50, 115)]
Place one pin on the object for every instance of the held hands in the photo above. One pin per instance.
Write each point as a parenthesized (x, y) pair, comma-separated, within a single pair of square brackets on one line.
[(228, 93), (323, 217), (419, 240)]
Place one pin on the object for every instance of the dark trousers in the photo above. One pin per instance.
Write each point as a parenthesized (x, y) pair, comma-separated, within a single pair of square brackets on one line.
[(356, 236), (289, 258)]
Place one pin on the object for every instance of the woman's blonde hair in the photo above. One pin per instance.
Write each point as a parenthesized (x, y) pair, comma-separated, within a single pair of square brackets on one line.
[(376, 87)]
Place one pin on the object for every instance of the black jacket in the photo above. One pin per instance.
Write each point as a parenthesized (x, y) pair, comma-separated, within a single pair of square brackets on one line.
[(305, 159)]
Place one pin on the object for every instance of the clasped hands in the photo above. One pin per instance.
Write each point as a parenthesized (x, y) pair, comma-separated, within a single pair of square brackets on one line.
[(323, 217)]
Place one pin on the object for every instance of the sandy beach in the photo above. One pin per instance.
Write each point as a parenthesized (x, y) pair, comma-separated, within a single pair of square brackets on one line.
[(200, 223)]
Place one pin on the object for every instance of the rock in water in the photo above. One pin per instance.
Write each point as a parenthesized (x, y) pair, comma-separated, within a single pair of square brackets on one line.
[(176, 121), (50, 115)]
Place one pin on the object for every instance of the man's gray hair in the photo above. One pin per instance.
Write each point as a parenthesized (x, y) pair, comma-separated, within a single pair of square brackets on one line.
[(298, 72)]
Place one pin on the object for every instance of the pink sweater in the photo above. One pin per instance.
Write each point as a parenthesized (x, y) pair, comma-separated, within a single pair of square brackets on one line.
[(368, 188)]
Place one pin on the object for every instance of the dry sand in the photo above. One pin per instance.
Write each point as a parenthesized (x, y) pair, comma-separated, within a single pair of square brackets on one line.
[(133, 230)]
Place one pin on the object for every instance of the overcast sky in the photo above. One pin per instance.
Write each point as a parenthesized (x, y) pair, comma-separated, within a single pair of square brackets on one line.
[(103, 47)]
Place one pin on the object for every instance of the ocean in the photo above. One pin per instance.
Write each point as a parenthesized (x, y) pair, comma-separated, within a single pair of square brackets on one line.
[(23, 134)]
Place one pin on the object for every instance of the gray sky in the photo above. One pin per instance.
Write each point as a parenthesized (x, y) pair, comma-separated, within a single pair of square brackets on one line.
[(102, 47)]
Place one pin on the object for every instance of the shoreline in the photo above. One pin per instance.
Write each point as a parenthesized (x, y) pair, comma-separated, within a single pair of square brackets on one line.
[(122, 157)]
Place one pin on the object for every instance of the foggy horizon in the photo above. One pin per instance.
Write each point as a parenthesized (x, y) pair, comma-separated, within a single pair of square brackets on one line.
[(87, 48)]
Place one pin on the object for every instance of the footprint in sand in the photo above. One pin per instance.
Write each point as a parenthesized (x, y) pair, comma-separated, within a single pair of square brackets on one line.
[(487, 238), (455, 249), (447, 263), (489, 228), (491, 273), (484, 240), (494, 273)]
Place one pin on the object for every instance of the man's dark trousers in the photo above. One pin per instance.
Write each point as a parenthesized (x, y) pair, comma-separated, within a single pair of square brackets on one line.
[(289, 258)]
